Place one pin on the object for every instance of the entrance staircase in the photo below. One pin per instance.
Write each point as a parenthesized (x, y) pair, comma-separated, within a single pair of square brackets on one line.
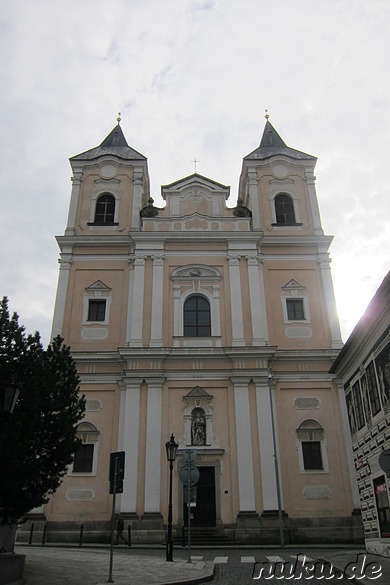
[(204, 536)]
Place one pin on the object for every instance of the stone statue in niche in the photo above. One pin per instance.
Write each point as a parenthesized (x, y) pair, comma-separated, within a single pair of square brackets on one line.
[(198, 427)]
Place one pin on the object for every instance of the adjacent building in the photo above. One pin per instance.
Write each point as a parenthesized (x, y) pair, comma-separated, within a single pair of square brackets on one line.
[(190, 319), (363, 366)]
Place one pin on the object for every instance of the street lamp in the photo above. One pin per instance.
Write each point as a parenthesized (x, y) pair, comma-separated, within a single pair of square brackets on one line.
[(9, 393), (171, 448), (277, 479)]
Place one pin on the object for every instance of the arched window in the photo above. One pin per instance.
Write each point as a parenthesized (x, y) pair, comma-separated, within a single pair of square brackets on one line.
[(85, 456), (311, 435), (284, 209), (197, 319), (105, 209)]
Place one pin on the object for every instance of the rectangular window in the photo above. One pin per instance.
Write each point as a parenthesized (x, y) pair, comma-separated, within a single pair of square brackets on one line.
[(312, 456), (373, 389), (96, 310), (295, 309), (357, 398), (382, 503), (83, 459)]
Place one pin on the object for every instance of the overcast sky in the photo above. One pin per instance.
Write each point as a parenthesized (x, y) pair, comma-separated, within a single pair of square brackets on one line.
[(192, 78)]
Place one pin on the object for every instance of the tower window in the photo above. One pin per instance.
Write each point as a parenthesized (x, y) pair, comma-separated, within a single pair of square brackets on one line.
[(96, 310), (105, 209), (284, 209), (295, 309), (197, 319)]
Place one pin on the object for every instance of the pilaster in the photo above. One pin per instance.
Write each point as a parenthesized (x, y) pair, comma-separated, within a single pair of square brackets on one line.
[(136, 304), (138, 185), (153, 446), (157, 301), (254, 198), (257, 301), (128, 442), (310, 181), (74, 200), (267, 461), (62, 288), (246, 486), (324, 262), (236, 301)]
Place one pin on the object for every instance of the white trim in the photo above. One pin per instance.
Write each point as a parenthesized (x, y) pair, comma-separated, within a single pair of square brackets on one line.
[(137, 305), (266, 447), (246, 486), (153, 447), (128, 442), (236, 301), (157, 301)]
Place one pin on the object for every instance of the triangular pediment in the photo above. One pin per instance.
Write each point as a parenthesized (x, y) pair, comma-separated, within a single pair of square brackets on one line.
[(194, 180), (198, 392), (293, 285), (98, 285)]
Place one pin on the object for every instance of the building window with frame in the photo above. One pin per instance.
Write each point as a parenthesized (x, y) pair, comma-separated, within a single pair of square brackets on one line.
[(97, 310), (373, 391), (311, 437), (83, 459), (312, 457), (295, 311), (284, 209), (96, 304), (85, 456), (105, 209), (359, 407), (197, 317)]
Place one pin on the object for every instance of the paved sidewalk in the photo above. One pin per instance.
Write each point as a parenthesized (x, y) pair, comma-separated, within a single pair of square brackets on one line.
[(73, 566)]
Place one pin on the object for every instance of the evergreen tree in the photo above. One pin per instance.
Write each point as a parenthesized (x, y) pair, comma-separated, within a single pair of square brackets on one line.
[(39, 439)]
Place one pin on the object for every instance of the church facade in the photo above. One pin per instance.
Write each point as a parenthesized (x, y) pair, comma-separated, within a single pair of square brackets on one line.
[(215, 324)]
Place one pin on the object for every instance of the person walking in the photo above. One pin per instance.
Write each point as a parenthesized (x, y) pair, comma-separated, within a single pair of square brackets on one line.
[(120, 526)]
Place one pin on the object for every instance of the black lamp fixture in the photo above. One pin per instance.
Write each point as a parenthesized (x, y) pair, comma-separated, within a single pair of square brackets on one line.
[(9, 393), (171, 449)]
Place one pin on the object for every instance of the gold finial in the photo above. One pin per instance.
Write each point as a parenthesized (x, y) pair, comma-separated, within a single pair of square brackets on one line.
[(266, 114), (119, 118), (195, 161)]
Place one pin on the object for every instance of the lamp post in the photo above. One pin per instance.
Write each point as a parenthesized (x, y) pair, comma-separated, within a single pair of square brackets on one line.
[(171, 448), (277, 479), (9, 393)]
